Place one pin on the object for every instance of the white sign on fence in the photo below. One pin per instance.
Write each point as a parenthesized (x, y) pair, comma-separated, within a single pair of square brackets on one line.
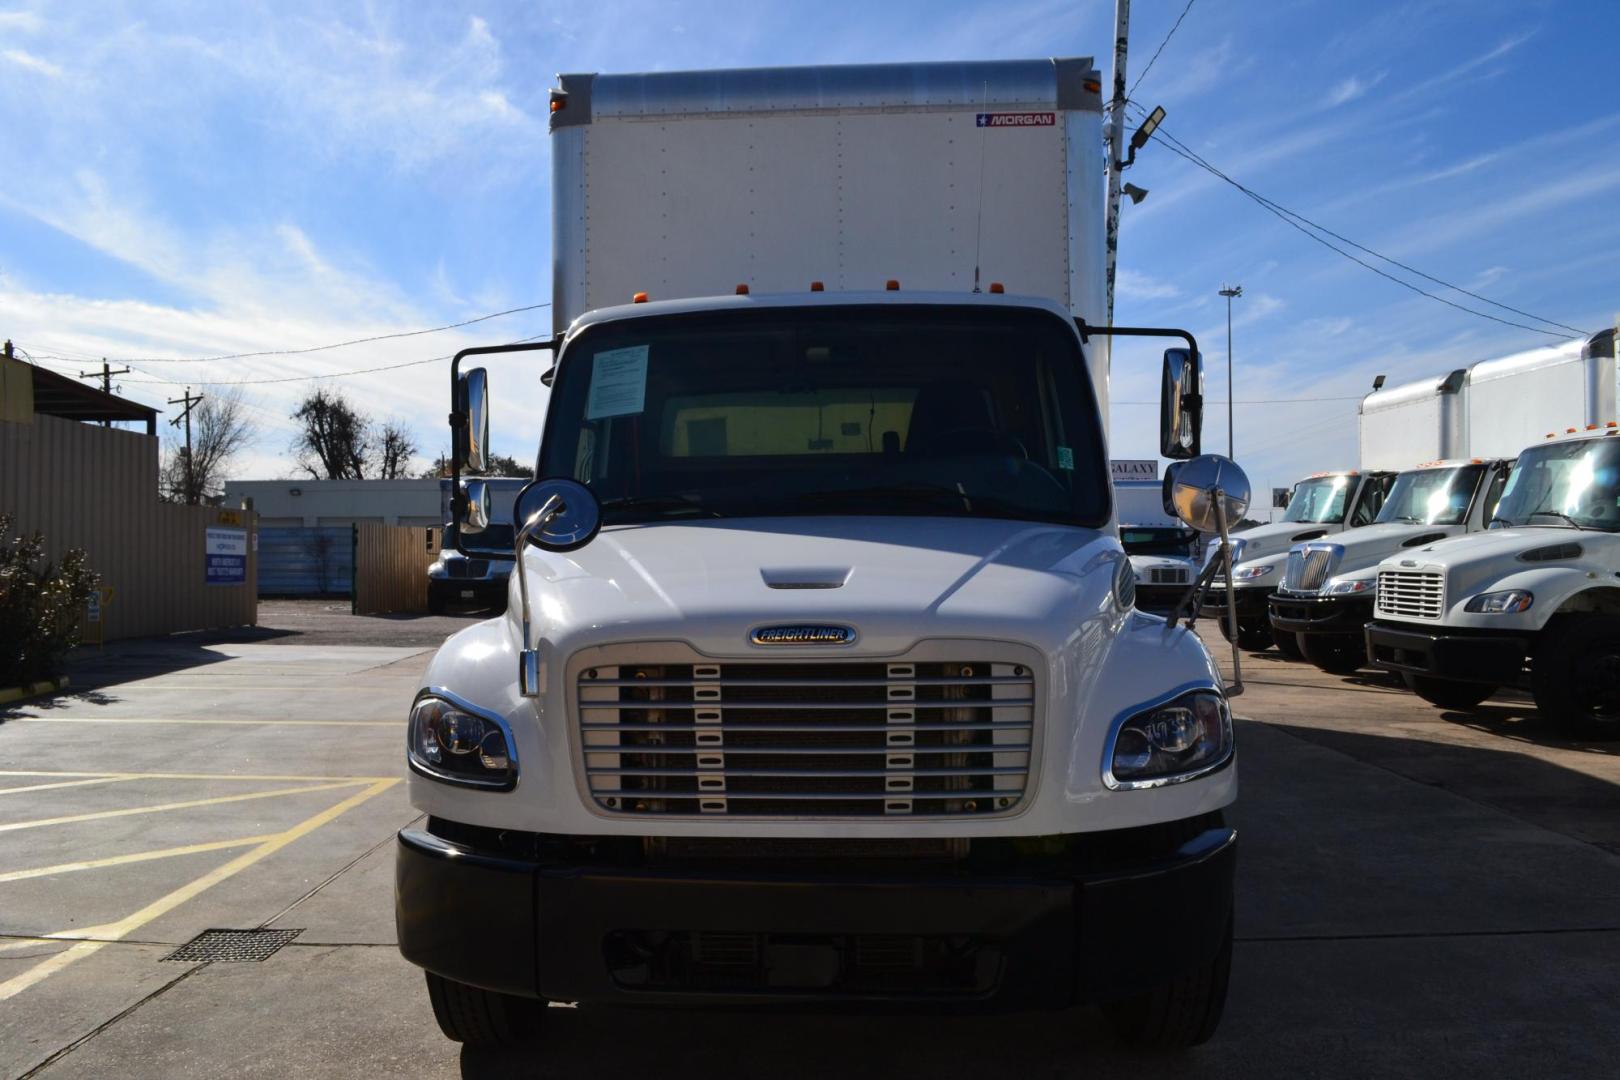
[(225, 556), (1135, 469)]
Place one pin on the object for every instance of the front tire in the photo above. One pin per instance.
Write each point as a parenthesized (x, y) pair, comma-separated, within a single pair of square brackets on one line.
[(436, 601), (1460, 696), (1576, 675), (1253, 636), (1336, 654), (478, 1017), (1183, 1012)]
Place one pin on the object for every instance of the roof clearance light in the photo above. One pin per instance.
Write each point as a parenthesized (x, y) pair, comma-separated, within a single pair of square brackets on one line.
[(997, 288), (639, 298), (1569, 431), (816, 286), (893, 285), (559, 102), (742, 290), (1591, 427), (1094, 85)]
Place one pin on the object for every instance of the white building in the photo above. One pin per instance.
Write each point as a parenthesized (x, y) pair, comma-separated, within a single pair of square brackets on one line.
[(310, 503)]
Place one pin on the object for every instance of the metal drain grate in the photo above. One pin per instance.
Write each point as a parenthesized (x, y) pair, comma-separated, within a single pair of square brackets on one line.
[(233, 946)]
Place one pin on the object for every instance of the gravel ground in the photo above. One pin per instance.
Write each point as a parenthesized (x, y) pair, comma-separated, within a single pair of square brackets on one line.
[(328, 622)]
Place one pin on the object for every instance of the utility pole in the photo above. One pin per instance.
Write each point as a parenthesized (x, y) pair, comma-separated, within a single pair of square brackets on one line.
[(1229, 291), (105, 375), (1116, 140), (189, 402)]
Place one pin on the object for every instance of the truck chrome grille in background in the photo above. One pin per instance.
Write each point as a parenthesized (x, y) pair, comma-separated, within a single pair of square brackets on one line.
[(1171, 575), (1412, 594), (1307, 570), (808, 738)]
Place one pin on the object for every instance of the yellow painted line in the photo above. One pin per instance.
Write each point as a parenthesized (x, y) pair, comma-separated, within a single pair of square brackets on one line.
[(201, 720), (116, 931), (110, 779), (199, 776), (134, 857), (12, 826)]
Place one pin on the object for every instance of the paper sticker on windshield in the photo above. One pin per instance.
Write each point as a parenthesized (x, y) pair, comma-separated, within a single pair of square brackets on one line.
[(618, 383), (1065, 458)]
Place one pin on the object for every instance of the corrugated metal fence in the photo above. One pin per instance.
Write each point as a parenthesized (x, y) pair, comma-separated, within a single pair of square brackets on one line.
[(316, 560), (390, 567), (96, 488)]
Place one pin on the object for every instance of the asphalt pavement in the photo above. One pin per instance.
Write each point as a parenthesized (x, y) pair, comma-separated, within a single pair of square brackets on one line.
[(1420, 893)]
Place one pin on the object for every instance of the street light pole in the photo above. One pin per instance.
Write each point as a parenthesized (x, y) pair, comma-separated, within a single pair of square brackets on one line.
[(1229, 291)]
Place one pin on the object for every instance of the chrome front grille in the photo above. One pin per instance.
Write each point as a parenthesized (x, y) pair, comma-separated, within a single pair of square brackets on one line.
[(805, 738), (1308, 569), (1412, 594), (1170, 575)]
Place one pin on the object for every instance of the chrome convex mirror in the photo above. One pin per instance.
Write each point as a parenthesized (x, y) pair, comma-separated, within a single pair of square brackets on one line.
[(1211, 494), (478, 508), (559, 515), (472, 427)]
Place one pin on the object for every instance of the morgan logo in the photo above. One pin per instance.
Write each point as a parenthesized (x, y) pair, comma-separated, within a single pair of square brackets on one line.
[(1016, 119), (803, 635)]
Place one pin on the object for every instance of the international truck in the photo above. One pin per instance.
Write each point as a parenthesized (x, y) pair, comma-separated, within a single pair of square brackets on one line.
[(1534, 601), (821, 681), (1479, 416), (474, 572), (1323, 504)]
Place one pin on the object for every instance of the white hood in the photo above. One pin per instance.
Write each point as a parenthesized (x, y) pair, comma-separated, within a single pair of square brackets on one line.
[(711, 582), (1264, 541), (1371, 544)]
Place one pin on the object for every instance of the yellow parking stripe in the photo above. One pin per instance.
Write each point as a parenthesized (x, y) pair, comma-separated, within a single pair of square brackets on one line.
[(134, 857), (111, 932), (113, 779), (199, 776), (201, 720), (161, 807)]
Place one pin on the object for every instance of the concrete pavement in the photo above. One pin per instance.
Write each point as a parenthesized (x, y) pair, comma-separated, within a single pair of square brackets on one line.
[(1420, 893)]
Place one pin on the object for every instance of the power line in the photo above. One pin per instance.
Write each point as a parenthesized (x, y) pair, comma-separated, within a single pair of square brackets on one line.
[(1162, 44), (1305, 225), (320, 348)]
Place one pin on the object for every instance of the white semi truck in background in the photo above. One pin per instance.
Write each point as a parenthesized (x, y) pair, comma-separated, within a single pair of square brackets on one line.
[(1162, 550), (1475, 418), (848, 702), (1534, 601), (472, 571)]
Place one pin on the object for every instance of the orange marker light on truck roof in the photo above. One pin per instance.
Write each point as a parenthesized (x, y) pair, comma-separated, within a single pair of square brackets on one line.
[(893, 285), (639, 298), (816, 286), (742, 290), (997, 288)]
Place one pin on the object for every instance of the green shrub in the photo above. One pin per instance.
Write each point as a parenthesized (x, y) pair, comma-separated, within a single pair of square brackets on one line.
[(41, 606)]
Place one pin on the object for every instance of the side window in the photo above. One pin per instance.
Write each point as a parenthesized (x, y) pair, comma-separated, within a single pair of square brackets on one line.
[(1372, 501), (1493, 493)]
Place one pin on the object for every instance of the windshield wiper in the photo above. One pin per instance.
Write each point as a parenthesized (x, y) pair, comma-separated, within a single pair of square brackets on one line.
[(1408, 519), (660, 502), (1559, 514), (1509, 522), (915, 494)]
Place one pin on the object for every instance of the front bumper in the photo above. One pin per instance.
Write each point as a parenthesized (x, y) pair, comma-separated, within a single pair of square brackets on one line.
[(1292, 614), (1481, 656), (1160, 598), (1021, 933), (1251, 602)]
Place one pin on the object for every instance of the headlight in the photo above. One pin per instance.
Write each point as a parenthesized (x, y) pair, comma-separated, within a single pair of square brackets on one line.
[(1179, 740), (1510, 602), (450, 742), (1214, 550), (1252, 572), (1348, 586)]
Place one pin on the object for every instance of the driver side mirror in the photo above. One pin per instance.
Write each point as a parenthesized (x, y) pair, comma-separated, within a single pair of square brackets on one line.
[(1181, 405), (472, 419), (477, 517)]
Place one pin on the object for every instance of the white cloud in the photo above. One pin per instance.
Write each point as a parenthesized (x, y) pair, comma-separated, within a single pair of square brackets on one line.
[(33, 63), (1134, 285), (27, 22), (1352, 88)]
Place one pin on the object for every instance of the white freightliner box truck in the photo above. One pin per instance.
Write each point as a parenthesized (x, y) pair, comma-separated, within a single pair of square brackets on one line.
[(1534, 601), (820, 680), (1162, 550), (1478, 418)]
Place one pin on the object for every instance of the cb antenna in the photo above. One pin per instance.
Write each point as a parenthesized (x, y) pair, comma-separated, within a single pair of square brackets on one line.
[(978, 225)]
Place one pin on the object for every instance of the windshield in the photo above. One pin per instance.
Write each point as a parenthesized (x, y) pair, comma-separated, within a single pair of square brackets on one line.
[(1432, 496), (496, 539), (1320, 500), (1166, 540), (1570, 483), (945, 411)]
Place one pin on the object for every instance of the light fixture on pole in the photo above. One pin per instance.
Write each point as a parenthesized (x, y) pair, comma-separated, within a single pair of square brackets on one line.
[(1230, 291)]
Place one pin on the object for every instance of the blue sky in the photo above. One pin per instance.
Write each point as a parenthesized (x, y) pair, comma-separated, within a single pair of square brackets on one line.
[(189, 180)]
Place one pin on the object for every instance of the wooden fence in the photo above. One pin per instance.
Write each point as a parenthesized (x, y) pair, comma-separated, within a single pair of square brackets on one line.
[(170, 567), (390, 567)]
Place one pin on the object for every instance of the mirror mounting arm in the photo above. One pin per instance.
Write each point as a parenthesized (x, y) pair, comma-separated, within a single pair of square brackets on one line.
[(458, 498), (1087, 330)]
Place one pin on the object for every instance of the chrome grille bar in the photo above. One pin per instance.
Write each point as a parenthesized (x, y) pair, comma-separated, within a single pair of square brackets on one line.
[(1419, 594)]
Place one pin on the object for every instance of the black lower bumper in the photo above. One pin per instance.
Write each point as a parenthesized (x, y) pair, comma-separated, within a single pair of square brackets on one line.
[(1480, 657), (1251, 603), (479, 591), (1012, 939), (1160, 598), (1320, 614)]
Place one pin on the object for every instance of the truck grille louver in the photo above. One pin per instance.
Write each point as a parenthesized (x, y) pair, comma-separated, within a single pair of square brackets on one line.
[(1309, 569), (806, 738), (1412, 594)]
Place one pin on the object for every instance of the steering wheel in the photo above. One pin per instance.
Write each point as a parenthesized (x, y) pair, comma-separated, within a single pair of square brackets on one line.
[(970, 440)]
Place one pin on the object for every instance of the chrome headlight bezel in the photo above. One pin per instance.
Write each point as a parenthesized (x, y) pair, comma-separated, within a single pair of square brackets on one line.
[(429, 754), (1252, 571), (1503, 602), (1136, 721), (1349, 586)]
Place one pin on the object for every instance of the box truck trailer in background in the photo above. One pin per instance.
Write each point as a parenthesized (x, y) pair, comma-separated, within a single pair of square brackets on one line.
[(1162, 550), (849, 700)]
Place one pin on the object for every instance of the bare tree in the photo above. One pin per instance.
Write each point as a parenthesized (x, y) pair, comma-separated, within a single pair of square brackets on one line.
[(333, 437), (219, 429), (393, 447), (499, 465)]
